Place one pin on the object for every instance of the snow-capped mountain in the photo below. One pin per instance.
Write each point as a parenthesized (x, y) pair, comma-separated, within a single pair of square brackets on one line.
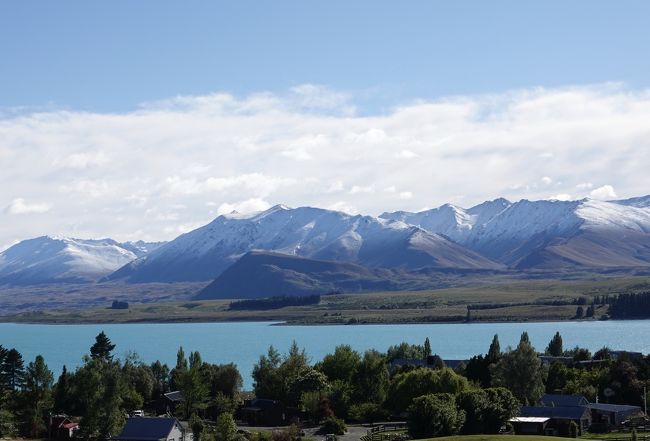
[(313, 233), (547, 233), (51, 259)]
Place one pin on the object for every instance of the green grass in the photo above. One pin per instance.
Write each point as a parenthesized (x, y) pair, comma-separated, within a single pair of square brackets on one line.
[(499, 438)]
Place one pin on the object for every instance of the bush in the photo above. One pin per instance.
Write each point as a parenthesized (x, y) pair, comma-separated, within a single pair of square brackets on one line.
[(434, 415), (573, 429), (333, 425), (368, 413)]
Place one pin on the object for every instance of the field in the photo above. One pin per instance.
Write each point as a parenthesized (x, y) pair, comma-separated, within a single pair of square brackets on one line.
[(534, 300)]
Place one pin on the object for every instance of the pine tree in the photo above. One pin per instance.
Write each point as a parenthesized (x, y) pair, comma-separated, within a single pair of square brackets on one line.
[(102, 348), (494, 353), (13, 370), (427, 347), (555, 347)]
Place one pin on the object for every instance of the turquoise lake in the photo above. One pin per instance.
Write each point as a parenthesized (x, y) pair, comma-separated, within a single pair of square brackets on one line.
[(243, 343)]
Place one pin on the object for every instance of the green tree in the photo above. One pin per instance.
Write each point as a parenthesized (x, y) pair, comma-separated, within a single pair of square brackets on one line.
[(267, 381), (521, 371), (494, 352), (487, 410), (434, 415), (427, 347), (226, 428), (370, 380), (62, 392), (102, 347), (555, 347), (406, 386), (13, 370), (100, 390), (38, 396), (405, 351), (194, 390), (341, 364)]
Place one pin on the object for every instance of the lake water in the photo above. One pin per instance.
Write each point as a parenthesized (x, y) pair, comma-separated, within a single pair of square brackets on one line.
[(243, 343)]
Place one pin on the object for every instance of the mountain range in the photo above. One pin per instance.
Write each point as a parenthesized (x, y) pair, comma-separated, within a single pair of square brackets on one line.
[(496, 235)]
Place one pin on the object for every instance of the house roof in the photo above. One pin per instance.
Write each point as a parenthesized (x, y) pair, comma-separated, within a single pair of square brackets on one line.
[(615, 408), (176, 395), (147, 428), (557, 400), (558, 413), (529, 419)]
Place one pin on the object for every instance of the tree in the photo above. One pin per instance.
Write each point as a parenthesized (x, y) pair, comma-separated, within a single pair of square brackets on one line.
[(267, 381), (555, 347), (579, 312), (38, 396), (100, 391), (406, 386), (226, 427), (194, 390), (522, 372), (102, 347), (434, 415), (487, 410), (406, 351), (341, 364), (13, 370), (62, 392), (427, 347), (494, 353), (370, 380)]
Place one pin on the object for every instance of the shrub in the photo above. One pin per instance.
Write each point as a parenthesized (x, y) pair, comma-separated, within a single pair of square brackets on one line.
[(333, 425)]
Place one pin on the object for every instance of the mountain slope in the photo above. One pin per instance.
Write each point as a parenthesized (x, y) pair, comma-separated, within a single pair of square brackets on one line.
[(313, 233), (49, 259), (262, 274), (547, 234)]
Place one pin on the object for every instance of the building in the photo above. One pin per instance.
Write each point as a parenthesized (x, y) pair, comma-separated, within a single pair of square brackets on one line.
[(605, 416), (169, 402), (263, 412), (560, 410), (154, 429), (559, 418), (63, 427), (529, 425)]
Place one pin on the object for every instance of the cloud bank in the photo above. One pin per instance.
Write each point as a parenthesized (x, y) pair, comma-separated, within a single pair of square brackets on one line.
[(171, 165)]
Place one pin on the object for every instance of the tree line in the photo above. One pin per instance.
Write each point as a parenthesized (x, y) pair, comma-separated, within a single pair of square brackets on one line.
[(406, 381)]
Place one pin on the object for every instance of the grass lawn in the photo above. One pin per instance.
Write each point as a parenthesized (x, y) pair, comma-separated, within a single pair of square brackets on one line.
[(499, 438)]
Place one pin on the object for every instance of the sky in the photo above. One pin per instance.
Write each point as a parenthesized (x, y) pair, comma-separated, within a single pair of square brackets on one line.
[(143, 120)]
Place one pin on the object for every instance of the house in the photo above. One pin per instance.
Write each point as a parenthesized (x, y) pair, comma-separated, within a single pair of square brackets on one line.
[(169, 402), (154, 429), (529, 425), (559, 418), (263, 412), (605, 416), (559, 400), (62, 427)]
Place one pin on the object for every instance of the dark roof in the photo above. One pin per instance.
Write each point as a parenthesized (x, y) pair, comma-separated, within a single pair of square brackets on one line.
[(264, 403), (561, 413), (557, 400), (614, 407), (144, 428), (176, 395)]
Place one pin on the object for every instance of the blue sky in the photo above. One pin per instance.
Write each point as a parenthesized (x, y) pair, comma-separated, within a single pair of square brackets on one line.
[(145, 119), (111, 56)]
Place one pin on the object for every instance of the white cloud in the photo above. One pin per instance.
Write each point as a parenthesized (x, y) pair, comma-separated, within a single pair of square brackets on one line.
[(356, 189), (546, 180), (561, 197), (605, 192), (309, 147), (244, 207), (406, 154), (20, 206)]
